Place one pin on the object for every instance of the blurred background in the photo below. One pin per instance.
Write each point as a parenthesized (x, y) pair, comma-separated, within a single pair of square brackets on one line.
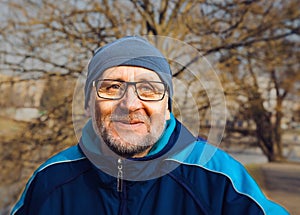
[(254, 46)]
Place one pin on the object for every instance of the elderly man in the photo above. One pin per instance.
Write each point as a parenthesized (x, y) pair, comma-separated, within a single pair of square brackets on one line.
[(134, 157)]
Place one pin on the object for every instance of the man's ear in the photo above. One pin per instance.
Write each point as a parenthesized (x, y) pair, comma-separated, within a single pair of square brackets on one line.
[(167, 115), (88, 109)]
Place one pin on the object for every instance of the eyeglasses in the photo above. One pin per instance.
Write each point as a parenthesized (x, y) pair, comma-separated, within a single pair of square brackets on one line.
[(145, 90)]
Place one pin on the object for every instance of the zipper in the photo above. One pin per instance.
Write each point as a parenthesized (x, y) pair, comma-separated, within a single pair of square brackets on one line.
[(120, 176), (120, 185)]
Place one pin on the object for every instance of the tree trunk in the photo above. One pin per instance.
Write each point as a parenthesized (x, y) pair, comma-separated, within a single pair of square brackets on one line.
[(269, 138), (268, 132)]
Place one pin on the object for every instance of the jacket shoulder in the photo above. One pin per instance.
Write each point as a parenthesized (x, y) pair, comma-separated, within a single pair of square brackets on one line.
[(55, 171), (215, 163)]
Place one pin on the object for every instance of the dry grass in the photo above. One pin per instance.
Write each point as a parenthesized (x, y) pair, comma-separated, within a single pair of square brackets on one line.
[(256, 172)]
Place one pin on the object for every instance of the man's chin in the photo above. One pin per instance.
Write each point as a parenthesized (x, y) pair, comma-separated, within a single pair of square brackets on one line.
[(127, 145), (129, 138), (128, 152)]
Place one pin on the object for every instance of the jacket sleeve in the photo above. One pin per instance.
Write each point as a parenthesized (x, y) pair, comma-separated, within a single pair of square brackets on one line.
[(25, 205), (33, 199), (55, 171), (227, 186), (242, 186)]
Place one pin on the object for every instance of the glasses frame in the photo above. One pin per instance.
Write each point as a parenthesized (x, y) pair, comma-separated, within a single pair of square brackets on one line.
[(127, 83)]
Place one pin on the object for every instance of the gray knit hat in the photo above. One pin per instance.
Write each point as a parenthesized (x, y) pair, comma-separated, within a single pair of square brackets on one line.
[(128, 51)]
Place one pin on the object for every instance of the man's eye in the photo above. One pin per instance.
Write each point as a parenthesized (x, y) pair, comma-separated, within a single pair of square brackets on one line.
[(113, 87), (110, 87), (146, 87)]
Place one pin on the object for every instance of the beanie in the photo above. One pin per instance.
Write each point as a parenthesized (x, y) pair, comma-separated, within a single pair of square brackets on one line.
[(128, 51)]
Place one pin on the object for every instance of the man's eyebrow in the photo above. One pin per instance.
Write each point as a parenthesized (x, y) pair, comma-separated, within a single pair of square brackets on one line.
[(152, 78), (113, 79), (117, 79)]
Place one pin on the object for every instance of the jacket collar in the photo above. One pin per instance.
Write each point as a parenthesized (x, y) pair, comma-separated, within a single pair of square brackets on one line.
[(174, 139)]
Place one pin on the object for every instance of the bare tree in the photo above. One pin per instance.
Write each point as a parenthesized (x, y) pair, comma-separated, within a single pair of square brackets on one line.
[(262, 73), (248, 40)]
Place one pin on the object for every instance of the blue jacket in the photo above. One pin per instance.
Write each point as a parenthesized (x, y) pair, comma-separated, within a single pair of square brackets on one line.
[(182, 176)]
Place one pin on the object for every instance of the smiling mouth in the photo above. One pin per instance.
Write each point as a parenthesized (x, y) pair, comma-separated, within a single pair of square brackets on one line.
[(131, 122), (137, 119), (134, 122), (133, 125)]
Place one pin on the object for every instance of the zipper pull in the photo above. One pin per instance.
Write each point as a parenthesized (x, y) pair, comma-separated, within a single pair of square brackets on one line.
[(120, 176)]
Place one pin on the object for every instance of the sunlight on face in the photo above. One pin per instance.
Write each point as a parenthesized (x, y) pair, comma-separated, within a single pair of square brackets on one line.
[(130, 126)]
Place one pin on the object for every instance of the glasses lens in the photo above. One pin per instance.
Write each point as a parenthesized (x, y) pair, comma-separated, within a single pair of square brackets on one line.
[(150, 90), (110, 89), (146, 90)]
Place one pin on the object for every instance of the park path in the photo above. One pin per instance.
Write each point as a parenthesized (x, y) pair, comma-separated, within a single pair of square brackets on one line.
[(282, 184)]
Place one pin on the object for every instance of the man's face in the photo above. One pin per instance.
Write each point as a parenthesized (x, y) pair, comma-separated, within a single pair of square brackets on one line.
[(130, 126)]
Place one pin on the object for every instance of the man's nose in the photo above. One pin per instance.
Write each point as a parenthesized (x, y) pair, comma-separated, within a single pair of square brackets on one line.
[(130, 100)]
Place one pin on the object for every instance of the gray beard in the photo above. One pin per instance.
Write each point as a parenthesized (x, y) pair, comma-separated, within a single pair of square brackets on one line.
[(125, 151), (133, 145)]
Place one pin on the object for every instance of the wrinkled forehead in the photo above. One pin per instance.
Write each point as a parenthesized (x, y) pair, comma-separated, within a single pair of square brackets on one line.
[(130, 73)]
